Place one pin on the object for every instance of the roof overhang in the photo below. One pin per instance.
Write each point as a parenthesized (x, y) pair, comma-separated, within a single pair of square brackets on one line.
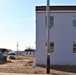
[(53, 8)]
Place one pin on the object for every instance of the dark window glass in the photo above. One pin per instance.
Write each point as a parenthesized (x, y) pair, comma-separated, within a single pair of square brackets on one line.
[(51, 21), (74, 47), (51, 47)]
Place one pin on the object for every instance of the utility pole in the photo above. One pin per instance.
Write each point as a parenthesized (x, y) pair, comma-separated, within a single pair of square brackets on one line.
[(17, 48), (48, 37)]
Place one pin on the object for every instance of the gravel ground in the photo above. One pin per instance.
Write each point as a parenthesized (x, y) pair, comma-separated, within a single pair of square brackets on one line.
[(25, 65)]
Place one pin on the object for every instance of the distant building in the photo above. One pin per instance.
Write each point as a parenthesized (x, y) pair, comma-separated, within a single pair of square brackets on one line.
[(20, 53), (26, 52), (30, 52)]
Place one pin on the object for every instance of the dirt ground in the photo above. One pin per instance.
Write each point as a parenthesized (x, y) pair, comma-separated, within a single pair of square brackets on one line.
[(26, 65)]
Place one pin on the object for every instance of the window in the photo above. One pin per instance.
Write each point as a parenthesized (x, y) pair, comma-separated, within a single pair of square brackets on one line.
[(51, 21), (27, 53), (74, 21), (51, 47), (33, 53), (74, 47), (20, 53)]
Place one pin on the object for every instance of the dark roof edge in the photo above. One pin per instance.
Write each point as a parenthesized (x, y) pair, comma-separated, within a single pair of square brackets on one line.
[(29, 50), (43, 8)]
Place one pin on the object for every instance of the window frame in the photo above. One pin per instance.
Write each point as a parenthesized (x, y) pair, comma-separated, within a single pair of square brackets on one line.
[(74, 47), (50, 47), (51, 21), (26, 53), (74, 21)]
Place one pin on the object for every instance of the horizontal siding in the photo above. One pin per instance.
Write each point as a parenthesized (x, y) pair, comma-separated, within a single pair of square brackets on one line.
[(63, 35)]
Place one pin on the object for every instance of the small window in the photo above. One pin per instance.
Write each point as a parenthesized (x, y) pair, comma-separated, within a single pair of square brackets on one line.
[(51, 21), (74, 47), (33, 53), (74, 21), (27, 53), (51, 47), (20, 53)]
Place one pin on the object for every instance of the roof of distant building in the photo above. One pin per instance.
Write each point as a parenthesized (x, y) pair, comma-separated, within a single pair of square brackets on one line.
[(3, 49), (30, 50)]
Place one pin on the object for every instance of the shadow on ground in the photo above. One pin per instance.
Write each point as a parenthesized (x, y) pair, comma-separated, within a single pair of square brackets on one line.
[(65, 68), (4, 62), (54, 74)]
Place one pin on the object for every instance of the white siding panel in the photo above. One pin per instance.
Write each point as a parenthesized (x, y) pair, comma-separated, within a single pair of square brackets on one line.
[(63, 34)]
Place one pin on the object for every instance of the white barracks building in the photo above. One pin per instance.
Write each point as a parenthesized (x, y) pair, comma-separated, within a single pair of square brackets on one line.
[(62, 35)]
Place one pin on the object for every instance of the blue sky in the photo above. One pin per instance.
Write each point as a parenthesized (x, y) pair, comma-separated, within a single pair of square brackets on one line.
[(17, 21)]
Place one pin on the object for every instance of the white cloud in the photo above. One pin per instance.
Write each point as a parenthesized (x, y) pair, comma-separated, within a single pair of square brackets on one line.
[(15, 21)]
